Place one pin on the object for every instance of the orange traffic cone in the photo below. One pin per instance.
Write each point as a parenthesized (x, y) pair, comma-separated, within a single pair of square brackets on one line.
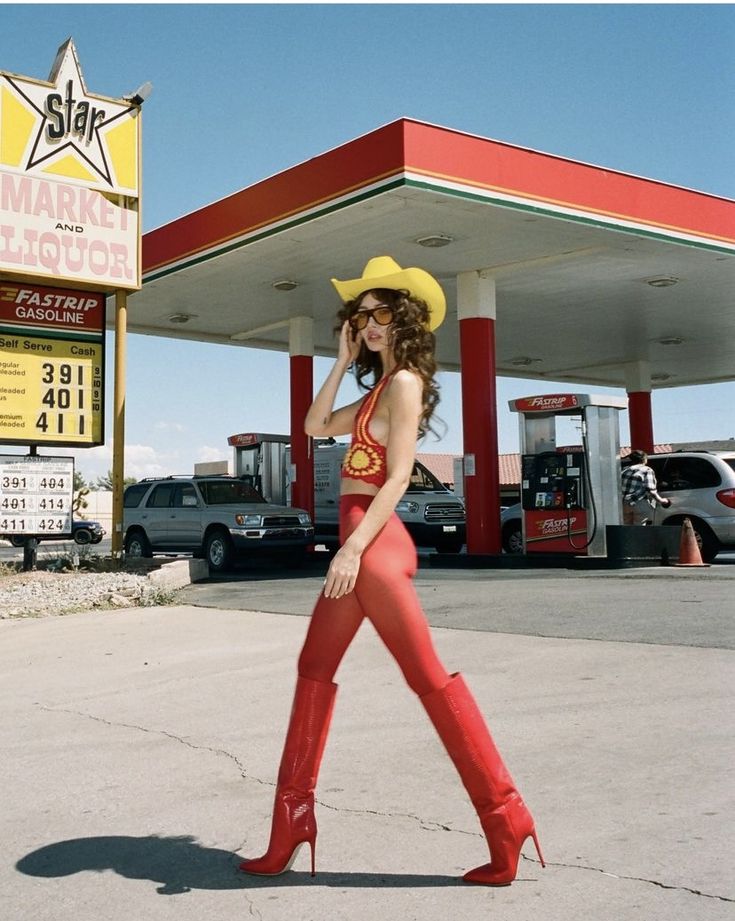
[(689, 554)]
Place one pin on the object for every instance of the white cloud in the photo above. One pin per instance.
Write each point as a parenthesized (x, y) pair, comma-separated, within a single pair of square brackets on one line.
[(140, 461), (206, 454), (170, 427), (144, 460)]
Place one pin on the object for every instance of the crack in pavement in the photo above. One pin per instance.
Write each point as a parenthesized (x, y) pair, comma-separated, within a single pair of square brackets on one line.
[(161, 732), (429, 826), (635, 879), (423, 823), (253, 909)]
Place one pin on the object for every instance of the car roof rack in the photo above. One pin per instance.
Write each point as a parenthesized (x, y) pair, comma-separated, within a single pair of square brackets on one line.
[(212, 476), (193, 476)]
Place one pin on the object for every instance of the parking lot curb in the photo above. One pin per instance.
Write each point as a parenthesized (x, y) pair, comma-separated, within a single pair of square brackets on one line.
[(179, 573)]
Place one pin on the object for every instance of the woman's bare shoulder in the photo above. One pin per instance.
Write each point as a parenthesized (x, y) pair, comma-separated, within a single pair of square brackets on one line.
[(406, 386), (407, 381)]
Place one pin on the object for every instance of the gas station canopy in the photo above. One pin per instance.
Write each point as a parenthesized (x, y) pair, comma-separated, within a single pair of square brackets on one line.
[(595, 271)]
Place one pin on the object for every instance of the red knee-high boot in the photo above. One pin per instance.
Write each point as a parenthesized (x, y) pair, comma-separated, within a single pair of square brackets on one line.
[(503, 815), (294, 822)]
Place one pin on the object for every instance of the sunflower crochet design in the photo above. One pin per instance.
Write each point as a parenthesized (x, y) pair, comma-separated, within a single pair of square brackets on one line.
[(362, 460)]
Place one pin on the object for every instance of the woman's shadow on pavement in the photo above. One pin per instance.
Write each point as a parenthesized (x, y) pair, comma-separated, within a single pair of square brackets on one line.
[(180, 864)]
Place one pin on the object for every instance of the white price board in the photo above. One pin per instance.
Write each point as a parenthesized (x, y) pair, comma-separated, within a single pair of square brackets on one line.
[(36, 495)]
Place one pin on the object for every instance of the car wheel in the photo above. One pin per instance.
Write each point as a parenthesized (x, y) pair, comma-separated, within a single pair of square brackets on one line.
[(513, 537), (83, 536), (97, 539), (137, 545), (218, 550), (17, 540)]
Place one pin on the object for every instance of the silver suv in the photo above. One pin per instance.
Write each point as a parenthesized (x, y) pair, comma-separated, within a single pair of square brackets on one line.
[(216, 517), (701, 486)]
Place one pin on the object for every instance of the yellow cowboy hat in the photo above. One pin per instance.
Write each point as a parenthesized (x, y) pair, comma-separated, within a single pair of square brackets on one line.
[(384, 272)]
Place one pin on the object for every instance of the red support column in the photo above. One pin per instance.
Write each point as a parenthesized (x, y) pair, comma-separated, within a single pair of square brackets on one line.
[(640, 420), (301, 367), (480, 425)]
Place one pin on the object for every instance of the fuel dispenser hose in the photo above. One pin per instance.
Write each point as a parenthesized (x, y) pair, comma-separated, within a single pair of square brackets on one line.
[(588, 484)]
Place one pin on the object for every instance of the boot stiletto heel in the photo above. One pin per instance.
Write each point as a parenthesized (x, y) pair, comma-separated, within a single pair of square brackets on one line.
[(506, 829), (276, 864), (294, 824)]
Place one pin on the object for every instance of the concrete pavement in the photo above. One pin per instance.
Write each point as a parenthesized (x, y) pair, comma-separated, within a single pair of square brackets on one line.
[(659, 604), (140, 749)]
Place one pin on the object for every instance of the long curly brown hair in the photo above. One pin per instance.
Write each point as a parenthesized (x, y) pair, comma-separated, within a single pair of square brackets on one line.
[(413, 346)]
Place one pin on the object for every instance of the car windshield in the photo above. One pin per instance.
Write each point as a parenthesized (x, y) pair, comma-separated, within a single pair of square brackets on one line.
[(229, 492), (423, 480)]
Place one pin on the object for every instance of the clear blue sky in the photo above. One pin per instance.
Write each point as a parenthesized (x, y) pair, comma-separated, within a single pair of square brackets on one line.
[(244, 91)]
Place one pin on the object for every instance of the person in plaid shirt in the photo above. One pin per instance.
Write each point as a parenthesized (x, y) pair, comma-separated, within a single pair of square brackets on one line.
[(640, 494)]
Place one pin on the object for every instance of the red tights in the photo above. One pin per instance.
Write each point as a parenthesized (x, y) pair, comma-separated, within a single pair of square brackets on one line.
[(385, 594)]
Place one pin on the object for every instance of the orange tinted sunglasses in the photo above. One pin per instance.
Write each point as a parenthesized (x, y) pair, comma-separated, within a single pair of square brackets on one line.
[(382, 315)]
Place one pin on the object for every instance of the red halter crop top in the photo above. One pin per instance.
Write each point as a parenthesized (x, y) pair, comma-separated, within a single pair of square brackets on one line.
[(366, 459)]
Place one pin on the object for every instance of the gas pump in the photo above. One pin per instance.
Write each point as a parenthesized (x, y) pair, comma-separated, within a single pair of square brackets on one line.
[(261, 458), (570, 495)]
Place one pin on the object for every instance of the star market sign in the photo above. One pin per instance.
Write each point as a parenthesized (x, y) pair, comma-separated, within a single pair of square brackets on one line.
[(69, 179)]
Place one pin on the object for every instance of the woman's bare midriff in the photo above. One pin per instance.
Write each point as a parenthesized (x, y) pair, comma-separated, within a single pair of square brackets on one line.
[(351, 487)]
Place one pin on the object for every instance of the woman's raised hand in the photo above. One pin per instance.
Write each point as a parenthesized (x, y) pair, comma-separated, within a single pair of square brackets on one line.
[(348, 347)]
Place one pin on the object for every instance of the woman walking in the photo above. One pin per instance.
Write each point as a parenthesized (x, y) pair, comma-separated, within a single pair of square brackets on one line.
[(386, 331)]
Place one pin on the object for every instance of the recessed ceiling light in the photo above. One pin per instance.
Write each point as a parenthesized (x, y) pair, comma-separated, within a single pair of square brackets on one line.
[(522, 361), (180, 317), (670, 340), (661, 281), (435, 240), (285, 284)]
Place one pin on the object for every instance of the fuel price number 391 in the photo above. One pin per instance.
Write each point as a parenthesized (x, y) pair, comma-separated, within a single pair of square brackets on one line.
[(68, 400)]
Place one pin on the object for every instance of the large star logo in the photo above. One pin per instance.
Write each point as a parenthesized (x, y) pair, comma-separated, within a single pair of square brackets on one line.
[(71, 121)]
